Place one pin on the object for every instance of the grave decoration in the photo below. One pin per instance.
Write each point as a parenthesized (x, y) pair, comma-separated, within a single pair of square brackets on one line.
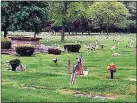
[(102, 46), (91, 48), (77, 69), (116, 54), (68, 66), (73, 75), (80, 63), (88, 49), (85, 71), (112, 69), (133, 79), (114, 47), (55, 60), (15, 65)]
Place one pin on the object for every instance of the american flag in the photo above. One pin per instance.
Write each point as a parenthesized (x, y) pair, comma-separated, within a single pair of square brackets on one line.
[(79, 71)]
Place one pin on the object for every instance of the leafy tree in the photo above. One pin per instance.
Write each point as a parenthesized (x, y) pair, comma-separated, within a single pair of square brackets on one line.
[(58, 14), (81, 19), (24, 15), (131, 6), (66, 12), (108, 14), (7, 11)]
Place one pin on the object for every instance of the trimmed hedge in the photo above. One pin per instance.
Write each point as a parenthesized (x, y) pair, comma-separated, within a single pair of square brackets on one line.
[(5, 43), (54, 51), (14, 63), (72, 47), (25, 50)]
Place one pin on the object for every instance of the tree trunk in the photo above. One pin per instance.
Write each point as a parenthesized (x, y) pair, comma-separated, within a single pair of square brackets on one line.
[(35, 34), (5, 33), (62, 33), (88, 32), (107, 29), (76, 32), (64, 20), (82, 32), (100, 28), (72, 33), (107, 25), (69, 30)]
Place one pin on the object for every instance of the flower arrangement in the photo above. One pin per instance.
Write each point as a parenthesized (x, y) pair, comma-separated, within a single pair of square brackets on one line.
[(112, 68)]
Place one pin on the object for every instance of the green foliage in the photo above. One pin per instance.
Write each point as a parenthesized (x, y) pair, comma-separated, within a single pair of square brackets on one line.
[(131, 6), (14, 63), (109, 13), (63, 13), (5, 43), (72, 47), (25, 50), (54, 51), (75, 10), (24, 15)]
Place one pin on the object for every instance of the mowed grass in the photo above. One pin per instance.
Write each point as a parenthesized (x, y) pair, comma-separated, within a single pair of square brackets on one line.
[(45, 81)]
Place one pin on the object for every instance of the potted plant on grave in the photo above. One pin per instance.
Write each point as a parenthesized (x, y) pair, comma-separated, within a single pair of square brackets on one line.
[(14, 63)]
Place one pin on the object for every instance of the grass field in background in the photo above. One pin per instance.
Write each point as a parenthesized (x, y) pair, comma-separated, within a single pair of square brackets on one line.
[(45, 81)]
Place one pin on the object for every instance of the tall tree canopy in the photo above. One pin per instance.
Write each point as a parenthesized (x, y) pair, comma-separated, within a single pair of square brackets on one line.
[(24, 15), (131, 6), (109, 14), (64, 12)]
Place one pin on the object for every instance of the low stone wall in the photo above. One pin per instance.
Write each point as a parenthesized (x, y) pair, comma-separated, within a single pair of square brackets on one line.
[(8, 51), (39, 48), (24, 40)]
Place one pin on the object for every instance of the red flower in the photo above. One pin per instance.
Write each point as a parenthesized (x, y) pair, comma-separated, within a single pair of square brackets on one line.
[(112, 67)]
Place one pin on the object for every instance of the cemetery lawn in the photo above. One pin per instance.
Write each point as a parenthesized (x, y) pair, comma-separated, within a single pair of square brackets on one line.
[(45, 81)]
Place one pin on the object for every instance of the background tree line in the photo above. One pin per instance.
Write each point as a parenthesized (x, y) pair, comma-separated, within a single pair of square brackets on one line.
[(68, 16)]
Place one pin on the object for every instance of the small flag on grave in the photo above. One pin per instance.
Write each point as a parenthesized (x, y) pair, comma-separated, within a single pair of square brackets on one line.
[(79, 72)]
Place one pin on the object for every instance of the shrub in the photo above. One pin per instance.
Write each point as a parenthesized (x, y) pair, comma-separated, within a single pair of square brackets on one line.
[(72, 47), (5, 43), (14, 63), (25, 50), (54, 51)]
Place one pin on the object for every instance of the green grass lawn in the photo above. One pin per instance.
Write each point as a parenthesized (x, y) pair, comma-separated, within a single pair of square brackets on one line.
[(45, 81)]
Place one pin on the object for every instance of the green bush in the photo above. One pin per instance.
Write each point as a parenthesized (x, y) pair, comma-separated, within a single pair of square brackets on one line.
[(25, 50), (14, 63), (5, 43), (72, 47), (54, 51)]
